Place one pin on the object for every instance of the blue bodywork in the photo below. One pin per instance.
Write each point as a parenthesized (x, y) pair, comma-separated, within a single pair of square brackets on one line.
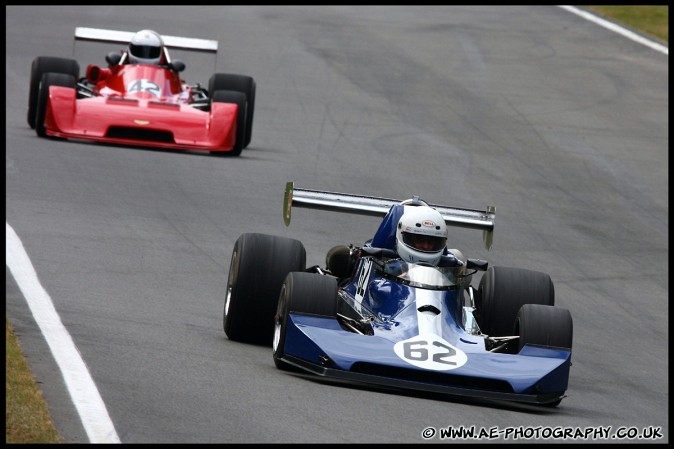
[(414, 335)]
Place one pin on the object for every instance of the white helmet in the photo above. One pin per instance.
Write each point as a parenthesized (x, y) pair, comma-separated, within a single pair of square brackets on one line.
[(421, 235), (146, 47)]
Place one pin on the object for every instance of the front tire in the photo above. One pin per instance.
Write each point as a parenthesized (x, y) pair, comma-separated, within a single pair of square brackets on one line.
[(40, 66), (240, 83), (230, 96), (48, 79), (258, 267), (305, 293), (544, 326)]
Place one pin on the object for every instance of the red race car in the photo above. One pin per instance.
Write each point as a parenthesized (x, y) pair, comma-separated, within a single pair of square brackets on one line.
[(140, 98)]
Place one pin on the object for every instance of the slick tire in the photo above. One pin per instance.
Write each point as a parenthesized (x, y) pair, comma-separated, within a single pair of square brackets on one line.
[(48, 80), (230, 96), (503, 291), (258, 267), (240, 83), (303, 293), (544, 326), (40, 66)]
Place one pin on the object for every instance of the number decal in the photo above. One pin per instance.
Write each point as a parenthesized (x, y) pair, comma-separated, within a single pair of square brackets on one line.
[(362, 280), (430, 352), (144, 86), (440, 356), (421, 353), (411, 352)]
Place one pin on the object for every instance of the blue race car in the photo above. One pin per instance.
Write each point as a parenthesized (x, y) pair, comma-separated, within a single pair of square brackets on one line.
[(376, 315)]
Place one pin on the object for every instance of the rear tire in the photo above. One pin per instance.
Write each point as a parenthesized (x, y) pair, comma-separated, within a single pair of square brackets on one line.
[(257, 270), (305, 293), (503, 291), (230, 96), (240, 83), (40, 66), (48, 79)]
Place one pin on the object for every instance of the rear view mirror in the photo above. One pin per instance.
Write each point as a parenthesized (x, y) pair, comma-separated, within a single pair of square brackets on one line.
[(177, 65), (113, 58)]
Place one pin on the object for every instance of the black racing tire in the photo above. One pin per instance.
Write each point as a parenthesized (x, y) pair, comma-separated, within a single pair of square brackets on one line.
[(239, 83), (503, 291), (230, 96), (250, 112), (544, 326), (305, 293), (258, 267), (49, 79), (40, 66)]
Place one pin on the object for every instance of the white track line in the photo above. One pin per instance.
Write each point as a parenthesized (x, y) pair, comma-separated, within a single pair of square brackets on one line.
[(618, 29), (81, 387)]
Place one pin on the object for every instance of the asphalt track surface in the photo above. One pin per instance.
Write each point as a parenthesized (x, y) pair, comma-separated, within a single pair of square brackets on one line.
[(560, 124)]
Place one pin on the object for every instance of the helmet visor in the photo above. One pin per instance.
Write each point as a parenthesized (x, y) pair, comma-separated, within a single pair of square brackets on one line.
[(424, 243), (145, 51)]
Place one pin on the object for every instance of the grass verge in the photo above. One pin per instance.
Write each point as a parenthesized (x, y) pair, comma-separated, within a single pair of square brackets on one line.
[(650, 20), (27, 418)]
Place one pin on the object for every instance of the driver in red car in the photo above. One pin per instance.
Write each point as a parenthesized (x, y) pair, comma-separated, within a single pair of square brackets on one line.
[(146, 47)]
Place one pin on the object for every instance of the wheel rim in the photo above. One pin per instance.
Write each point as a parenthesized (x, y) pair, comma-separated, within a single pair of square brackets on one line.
[(231, 282), (277, 334), (229, 296), (278, 320)]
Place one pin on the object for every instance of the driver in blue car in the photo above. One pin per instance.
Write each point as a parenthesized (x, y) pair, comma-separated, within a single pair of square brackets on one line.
[(410, 233), (420, 238), (421, 235)]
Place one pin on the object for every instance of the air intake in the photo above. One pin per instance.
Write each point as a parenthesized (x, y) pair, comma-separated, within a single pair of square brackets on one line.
[(437, 378), (140, 134)]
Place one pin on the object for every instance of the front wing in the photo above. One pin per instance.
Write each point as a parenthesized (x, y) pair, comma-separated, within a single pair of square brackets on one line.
[(319, 345), (140, 122)]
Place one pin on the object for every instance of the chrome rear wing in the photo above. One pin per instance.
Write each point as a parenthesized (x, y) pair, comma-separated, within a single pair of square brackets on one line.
[(186, 43), (379, 207)]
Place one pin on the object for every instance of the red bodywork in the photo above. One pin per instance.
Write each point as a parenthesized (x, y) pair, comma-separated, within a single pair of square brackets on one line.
[(140, 105)]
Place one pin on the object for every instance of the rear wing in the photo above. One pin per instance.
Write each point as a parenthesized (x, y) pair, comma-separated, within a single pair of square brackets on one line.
[(185, 43), (379, 207)]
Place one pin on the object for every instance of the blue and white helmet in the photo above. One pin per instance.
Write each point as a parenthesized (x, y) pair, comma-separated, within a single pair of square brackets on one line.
[(421, 235), (146, 47)]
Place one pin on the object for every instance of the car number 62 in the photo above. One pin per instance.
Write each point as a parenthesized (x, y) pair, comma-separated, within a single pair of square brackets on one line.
[(430, 352)]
